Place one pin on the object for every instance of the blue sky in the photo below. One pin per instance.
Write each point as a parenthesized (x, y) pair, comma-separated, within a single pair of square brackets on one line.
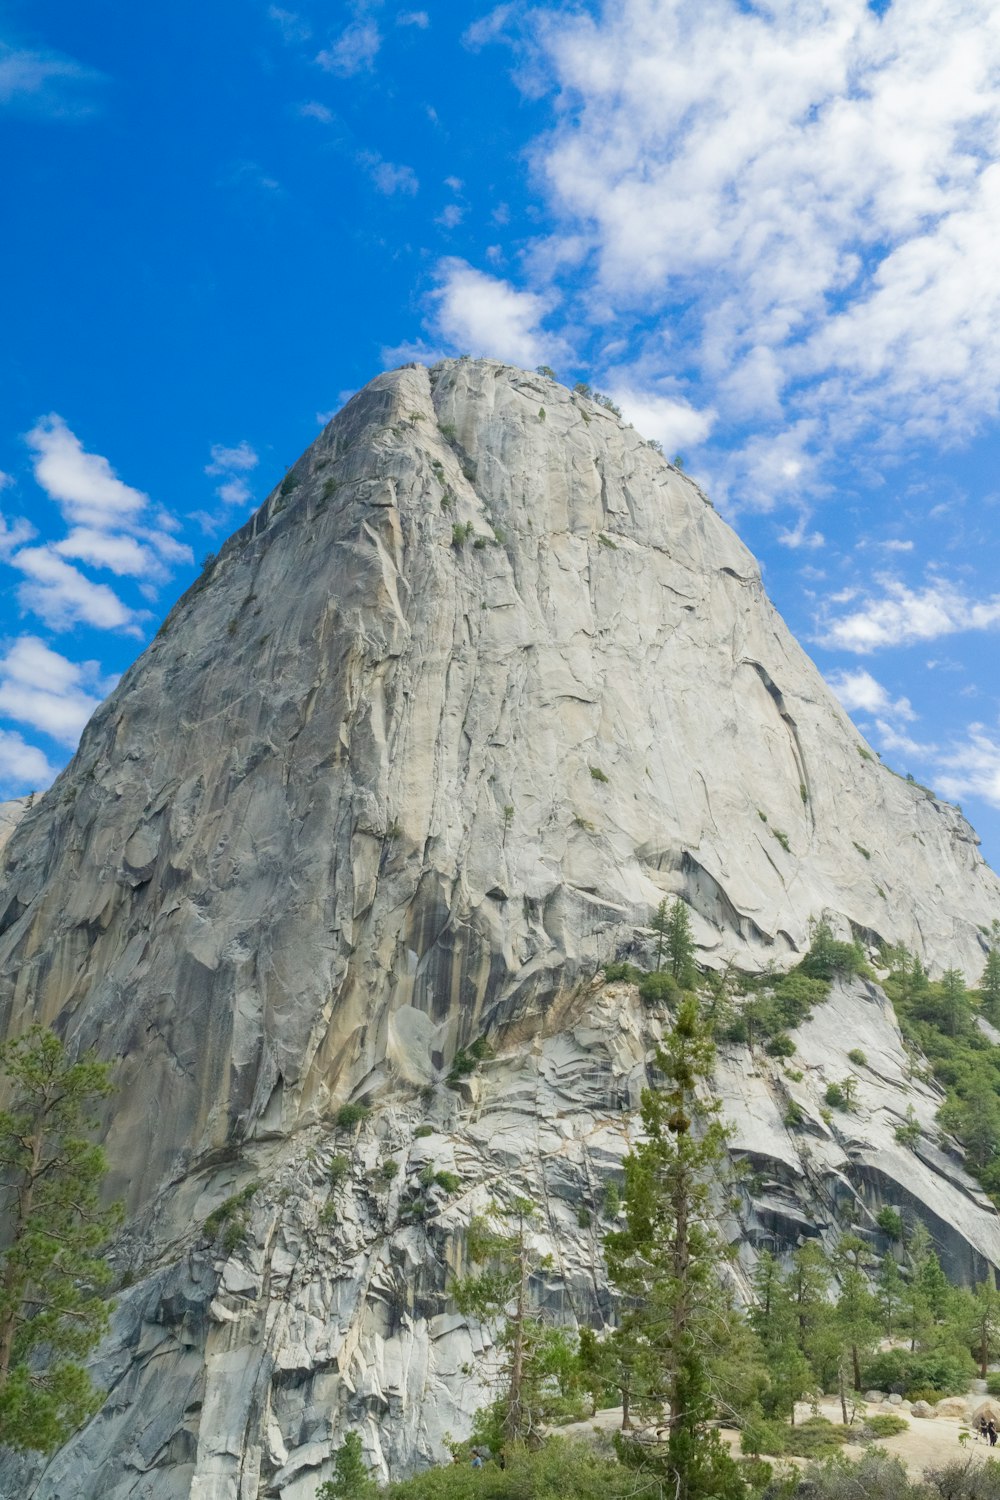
[(769, 233)]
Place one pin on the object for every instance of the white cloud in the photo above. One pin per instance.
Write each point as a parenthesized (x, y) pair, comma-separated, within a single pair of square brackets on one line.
[(353, 52), (859, 692), (904, 615), (23, 767), (225, 460), (232, 464), (479, 314), (123, 555), (807, 195), (5, 480), (41, 688), (418, 18), (62, 596), (670, 420), (85, 486), (450, 216), (797, 536)]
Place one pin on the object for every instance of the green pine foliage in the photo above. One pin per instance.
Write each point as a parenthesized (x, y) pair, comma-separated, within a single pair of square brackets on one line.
[(351, 1479), (665, 1263), (939, 1019), (52, 1270)]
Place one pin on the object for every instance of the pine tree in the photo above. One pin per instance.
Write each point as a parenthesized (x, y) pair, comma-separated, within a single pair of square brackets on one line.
[(666, 1260), (985, 1324), (351, 1479), (773, 1319), (857, 1309), (498, 1295), (51, 1271), (891, 1293), (661, 926), (680, 946), (990, 983), (954, 1004)]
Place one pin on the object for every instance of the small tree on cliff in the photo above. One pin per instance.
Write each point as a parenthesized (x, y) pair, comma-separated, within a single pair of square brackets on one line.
[(665, 1261), (51, 1269), (497, 1294)]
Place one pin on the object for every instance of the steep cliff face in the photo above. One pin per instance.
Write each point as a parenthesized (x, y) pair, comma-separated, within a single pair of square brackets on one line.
[(483, 680)]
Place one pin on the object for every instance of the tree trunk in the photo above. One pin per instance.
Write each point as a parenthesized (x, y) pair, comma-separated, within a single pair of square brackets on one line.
[(841, 1386), (25, 1197), (856, 1361)]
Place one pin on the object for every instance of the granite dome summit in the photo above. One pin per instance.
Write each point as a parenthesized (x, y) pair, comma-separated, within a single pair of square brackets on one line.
[(483, 680)]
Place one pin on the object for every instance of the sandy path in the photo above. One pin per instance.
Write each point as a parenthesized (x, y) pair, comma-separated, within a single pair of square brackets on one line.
[(928, 1442)]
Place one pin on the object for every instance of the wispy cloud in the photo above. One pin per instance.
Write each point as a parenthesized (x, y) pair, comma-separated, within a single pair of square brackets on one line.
[(43, 82), (313, 110), (903, 615), (418, 18), (294, 28), (353, 52), (799, 535), (231, 465), (972, 768), (389, 177)]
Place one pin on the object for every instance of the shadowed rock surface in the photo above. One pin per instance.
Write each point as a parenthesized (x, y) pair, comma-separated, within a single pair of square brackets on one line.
[(481, 683)]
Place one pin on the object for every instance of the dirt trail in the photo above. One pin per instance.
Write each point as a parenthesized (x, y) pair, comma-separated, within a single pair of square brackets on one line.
[(927, 1443)]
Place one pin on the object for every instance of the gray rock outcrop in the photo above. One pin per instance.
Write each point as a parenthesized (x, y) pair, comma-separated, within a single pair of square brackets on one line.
[(482, 682)]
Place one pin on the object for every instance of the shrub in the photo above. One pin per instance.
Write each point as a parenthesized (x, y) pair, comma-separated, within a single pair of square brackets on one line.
[(422, 1131), (793, 1114), (616, 972), (338, 1169), (782, 840), (386, 1171), (965, 1479), (857, 1057), (993, 1384), (598, 774), (288, 484), (780, 1045), (884, 1424), (923, 1375), (583, 1216), (835, 1096), (547, 371), (890, 1221), (450, 1182), (349, 1115), (229, 1209), (612, 1200), (460, 533), (909, 1133), (658, 989)]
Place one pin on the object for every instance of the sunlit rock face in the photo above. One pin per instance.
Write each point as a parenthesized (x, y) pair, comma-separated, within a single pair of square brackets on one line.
[(483, 680)]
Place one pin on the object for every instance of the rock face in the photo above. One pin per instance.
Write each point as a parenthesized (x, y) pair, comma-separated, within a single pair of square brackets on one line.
[(483, 680)]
